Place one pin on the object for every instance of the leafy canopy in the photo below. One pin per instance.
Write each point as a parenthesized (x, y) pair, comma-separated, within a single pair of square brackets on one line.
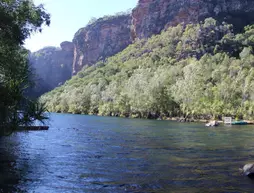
[(19, 18), (200, 70)]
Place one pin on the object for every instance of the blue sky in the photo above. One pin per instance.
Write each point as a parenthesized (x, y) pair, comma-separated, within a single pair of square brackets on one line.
[(68, 16)]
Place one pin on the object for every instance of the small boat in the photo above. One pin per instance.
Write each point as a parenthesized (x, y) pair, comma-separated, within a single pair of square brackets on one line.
[(239, 123)]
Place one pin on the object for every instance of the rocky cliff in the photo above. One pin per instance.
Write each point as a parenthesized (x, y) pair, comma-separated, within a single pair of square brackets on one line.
[(107, 36), (110, 35), (152, 16), (101, 39), (53, 66)]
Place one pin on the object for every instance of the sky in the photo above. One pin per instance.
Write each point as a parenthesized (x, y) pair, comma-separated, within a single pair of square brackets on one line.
[(69, 16)]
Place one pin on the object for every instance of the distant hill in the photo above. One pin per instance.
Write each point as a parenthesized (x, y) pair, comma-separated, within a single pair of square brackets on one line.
[(52, 67), (105, 37), (202, 70)]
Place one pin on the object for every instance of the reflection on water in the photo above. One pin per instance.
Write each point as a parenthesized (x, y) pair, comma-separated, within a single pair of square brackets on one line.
[(103, 154)]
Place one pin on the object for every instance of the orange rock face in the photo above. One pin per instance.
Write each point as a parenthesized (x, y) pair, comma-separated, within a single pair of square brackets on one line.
[(100, 40), (152, 16), (108, 36)]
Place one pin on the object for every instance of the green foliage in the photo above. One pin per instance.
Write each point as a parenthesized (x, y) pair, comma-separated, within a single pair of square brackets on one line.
[(33, 111), (199, 70), (19, 18), (94, 21)]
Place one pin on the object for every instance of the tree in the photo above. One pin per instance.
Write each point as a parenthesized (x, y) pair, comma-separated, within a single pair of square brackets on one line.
[(198, 70), (19, 18)]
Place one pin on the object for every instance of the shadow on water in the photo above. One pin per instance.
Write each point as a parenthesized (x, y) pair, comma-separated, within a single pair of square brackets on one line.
[(105, 154), (17, 163), (9, 176)]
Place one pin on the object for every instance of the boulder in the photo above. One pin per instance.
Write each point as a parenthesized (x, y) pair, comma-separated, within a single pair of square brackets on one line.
[(248, 170), (212, 124)]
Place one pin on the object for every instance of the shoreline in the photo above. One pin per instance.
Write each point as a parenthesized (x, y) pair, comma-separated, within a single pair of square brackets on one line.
[(249, 122), (177, 119)]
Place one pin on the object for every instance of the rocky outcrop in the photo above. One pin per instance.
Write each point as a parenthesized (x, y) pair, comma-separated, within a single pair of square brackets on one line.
[(101, 39), (53, 66), (67, 46), (248, 170), (107, 36), (152, 16), (111, 34), (212, 124)]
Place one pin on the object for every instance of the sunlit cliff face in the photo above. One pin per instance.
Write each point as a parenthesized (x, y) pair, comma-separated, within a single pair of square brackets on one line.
[(107, 36), (152, 16), (100, 40)]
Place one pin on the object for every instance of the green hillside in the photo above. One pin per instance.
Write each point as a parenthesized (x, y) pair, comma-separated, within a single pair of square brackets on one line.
[(199, 70)]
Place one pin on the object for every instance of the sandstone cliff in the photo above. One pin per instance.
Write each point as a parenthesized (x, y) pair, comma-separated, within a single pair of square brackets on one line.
[(97, 41), (53, 66), (111, 34), (107, 36), (152, 16)]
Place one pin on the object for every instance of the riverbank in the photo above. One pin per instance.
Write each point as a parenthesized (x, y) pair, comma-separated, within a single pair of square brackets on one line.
[(164, 118), (249, 122)]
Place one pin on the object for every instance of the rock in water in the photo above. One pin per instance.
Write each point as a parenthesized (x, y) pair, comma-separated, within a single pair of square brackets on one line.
[(248, 170), (212, 124)]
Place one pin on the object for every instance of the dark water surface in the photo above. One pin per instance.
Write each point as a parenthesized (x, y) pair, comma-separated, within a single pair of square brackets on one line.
[(104, 154)]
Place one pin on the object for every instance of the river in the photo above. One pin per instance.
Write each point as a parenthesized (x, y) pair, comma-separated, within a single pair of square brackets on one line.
[(106, 154)]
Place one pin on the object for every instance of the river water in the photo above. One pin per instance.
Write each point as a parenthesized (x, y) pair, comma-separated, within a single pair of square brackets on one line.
[(106, 154)]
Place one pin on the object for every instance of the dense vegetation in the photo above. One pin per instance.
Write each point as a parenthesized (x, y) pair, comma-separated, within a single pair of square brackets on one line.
[(94, 20), (19, 18), (199, 70)]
